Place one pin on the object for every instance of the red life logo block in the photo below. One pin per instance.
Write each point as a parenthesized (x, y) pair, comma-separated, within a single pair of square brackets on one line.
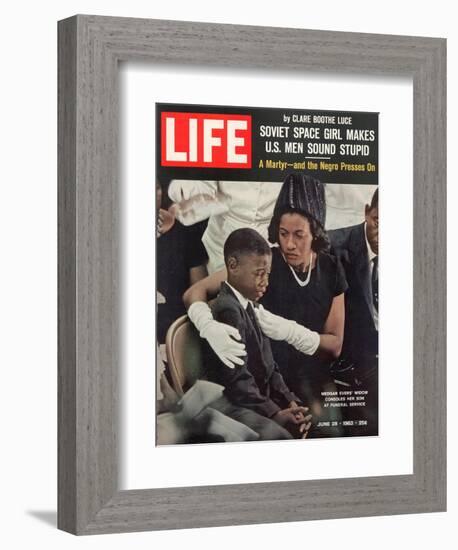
[(205, 140)]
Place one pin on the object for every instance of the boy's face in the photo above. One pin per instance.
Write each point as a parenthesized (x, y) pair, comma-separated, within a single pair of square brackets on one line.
[(249, 274)]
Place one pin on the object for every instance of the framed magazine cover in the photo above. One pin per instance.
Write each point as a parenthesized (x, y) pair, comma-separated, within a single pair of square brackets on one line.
[(90, 51)]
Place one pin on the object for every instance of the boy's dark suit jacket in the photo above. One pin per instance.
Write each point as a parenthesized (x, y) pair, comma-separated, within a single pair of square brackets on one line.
[(361, 335), (257, 385)]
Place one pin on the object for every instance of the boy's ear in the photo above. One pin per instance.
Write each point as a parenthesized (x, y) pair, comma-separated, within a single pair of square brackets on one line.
[(232, 263)]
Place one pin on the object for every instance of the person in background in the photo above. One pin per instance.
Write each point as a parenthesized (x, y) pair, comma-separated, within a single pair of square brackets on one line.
[(181, 261), (357, 248), (248, 204)]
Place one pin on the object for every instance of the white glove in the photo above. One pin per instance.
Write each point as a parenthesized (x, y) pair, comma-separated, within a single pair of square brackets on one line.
[(180, 190), (278, 328), (219, 335)]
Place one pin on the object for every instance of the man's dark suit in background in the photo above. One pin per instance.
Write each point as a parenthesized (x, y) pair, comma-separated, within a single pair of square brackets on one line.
[(358, 363), (361, 333)]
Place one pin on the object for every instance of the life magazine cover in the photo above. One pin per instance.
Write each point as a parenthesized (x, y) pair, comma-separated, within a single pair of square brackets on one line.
[(267, 274)]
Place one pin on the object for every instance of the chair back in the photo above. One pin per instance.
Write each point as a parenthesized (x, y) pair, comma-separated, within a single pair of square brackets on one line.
[(184, 354)]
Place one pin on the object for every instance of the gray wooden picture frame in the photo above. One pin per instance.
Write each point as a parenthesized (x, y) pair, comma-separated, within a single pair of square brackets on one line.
[(90, 48)]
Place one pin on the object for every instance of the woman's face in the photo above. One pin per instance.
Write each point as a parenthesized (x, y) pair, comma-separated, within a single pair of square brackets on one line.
[(295, 239)]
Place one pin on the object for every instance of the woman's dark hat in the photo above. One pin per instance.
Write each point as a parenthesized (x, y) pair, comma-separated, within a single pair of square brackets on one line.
[(302, 194)]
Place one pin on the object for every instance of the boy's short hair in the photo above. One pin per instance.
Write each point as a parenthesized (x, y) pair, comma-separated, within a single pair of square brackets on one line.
[(245, 241)]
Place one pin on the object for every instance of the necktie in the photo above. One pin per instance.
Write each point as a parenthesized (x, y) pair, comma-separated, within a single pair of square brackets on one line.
[(256, 363), (375, 282), (252, 316)]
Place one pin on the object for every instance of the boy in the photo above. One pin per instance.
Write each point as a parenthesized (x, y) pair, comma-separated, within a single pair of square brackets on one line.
[(255, 392)]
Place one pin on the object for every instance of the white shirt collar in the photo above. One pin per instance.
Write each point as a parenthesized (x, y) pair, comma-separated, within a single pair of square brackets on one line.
[(370, 253), (244, 301)]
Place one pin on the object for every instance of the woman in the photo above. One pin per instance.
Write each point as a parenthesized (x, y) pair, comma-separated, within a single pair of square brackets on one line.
[(306, 286)]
